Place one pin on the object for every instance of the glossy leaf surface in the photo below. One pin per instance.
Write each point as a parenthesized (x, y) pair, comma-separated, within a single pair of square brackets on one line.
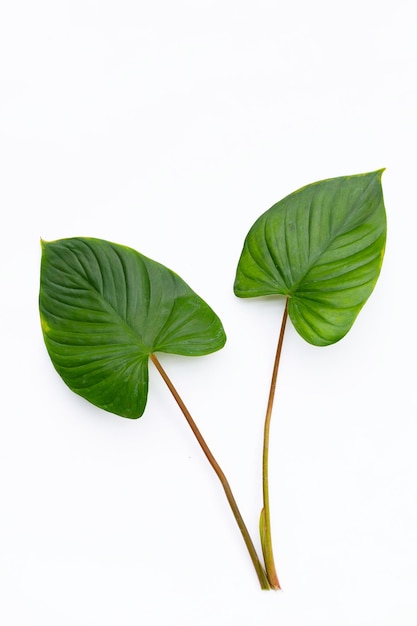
[(105, 308), (322, 247)]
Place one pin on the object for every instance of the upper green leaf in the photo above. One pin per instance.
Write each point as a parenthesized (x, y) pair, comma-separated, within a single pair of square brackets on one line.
[(105, 308), (322, 247)]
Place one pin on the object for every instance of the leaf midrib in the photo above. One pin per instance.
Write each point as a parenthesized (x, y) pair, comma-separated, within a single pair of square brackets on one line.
[(106, 304), (330, 240)]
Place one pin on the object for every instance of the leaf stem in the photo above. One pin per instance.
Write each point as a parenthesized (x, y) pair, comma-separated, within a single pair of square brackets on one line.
[(263, 579), (265, 521)]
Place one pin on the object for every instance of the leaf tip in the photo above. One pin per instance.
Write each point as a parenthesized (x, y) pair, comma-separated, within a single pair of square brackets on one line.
[(44, 244), (377, 174)]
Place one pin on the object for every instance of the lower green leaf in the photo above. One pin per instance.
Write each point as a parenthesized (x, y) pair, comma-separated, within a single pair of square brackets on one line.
[(105, 308)]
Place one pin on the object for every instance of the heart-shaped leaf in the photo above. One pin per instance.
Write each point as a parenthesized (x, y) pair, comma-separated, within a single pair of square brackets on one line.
[(322, 247), (106, 308)]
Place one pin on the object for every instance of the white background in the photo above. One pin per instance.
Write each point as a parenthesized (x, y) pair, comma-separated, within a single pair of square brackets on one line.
[(170, 126)]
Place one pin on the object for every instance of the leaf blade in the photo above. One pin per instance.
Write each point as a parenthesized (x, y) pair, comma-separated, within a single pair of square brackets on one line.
[(105, 308), (322, 247)]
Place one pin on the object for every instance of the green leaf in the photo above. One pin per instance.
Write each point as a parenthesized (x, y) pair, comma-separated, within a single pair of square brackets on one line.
[(105, 308), (322, 247)]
